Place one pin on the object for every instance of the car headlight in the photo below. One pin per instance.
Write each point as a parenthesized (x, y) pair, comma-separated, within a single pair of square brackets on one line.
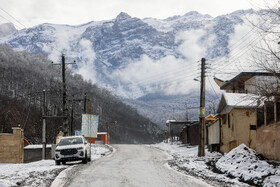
[(79, 148)]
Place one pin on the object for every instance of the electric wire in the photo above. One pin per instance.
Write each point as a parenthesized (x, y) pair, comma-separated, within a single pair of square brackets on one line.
[(24, 27), (235, 54), (217, 97), (12, 17)]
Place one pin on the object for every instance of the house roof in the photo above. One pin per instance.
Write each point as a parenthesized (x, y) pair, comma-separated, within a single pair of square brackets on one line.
[(229, 101), (241, 78), (175, 122), (210, 118)]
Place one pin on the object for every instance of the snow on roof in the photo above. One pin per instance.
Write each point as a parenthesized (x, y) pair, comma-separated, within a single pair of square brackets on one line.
[(240, 99), (172, 120), (37, 146), (236, 100), (101, 132)]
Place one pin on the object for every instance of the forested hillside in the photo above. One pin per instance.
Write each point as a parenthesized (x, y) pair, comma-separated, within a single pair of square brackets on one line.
[(23, 78)]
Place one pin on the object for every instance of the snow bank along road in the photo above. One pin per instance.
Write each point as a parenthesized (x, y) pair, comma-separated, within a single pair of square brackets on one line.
[(131, 166)]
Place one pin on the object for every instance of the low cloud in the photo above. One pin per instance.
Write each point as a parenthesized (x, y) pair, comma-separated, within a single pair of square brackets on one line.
[(87, 66), (169, 75), (191, 47)]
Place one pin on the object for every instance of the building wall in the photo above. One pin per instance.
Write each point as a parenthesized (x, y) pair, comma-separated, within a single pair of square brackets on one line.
[(268, 141), (214, 133), (184, 136), (193, 134), (35, 154), (254, 84), (236, 129), (100, 137), (11, 146)]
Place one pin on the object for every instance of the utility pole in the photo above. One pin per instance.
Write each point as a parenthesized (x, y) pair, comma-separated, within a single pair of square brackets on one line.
[(66, 129), (72, 114), (64, 97), (72, 120), (201, 147), (44, 126), (85, 103)]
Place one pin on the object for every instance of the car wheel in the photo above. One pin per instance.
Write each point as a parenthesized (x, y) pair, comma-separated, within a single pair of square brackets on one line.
[(85, 160), (57, 162), (89, 158)]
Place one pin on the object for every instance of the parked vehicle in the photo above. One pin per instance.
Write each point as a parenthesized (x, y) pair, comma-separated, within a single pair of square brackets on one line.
[(72, 148)]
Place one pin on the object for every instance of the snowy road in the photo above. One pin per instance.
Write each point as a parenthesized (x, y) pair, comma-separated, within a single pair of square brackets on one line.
[(131, 166)]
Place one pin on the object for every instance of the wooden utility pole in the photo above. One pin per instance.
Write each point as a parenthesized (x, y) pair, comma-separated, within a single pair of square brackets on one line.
[(44, 126), (85, 103), (201, 147), (66, 128), (64, 97)]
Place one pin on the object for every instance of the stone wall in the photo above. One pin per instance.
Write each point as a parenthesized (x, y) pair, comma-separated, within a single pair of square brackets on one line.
[(268, 141), (11, 146)]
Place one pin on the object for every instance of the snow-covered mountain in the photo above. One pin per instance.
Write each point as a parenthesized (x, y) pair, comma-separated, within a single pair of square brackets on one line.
[(7, 29), (134, 57)]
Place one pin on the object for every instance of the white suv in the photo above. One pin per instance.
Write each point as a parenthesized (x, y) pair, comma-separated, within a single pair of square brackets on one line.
[(72, 148)]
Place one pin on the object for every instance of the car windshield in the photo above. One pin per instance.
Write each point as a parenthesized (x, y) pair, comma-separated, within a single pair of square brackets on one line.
[(71, 141)]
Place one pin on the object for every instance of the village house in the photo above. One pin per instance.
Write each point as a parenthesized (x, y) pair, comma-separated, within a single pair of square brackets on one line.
[(238, 119), (244, 107)]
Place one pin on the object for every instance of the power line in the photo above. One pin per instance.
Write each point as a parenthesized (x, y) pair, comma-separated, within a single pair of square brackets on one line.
[(167, 74), (24, 27), (213, 88), (13, 17), (255, 39), (10, 21)]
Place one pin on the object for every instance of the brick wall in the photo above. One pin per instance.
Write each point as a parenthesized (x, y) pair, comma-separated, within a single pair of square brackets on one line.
[(11, 146)]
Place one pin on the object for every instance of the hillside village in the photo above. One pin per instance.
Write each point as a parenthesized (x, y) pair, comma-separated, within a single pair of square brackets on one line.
[(122, 102), (247, 118), (247, 113)]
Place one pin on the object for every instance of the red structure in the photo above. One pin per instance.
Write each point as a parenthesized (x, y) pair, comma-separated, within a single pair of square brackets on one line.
[(102, 138)]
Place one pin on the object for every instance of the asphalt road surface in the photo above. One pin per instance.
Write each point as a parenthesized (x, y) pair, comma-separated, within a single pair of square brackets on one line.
[(131, 166)]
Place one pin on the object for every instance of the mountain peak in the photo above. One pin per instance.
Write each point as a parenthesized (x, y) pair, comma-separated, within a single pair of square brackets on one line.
[(7, 29), (192, 13), (123, 16)]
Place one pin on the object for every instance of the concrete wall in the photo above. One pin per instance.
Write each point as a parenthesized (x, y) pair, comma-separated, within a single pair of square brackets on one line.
[(268, 141), (11, 146), (236, 130), (35, 154)]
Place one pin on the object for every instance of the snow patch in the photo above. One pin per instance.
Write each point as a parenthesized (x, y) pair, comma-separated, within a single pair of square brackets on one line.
[(244, 163), (41, 173)]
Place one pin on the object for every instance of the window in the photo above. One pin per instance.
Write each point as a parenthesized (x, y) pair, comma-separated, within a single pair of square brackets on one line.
[(224, 118)]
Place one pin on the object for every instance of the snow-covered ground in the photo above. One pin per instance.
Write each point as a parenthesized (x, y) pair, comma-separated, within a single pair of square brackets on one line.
[(40, 173), (240, 167)]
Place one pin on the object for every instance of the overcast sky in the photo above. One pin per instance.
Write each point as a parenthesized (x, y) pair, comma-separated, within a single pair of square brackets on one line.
[(74, 12)]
